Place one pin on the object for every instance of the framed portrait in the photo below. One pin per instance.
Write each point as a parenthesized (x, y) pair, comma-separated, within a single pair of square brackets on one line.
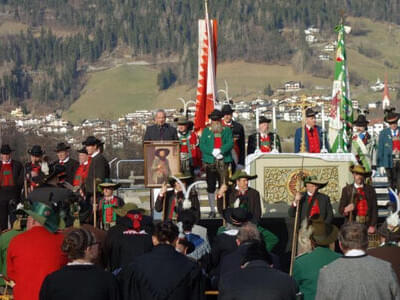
[(161, 160)]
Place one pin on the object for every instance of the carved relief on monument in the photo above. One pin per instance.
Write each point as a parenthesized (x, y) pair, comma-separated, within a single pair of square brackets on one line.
[(281, 183)]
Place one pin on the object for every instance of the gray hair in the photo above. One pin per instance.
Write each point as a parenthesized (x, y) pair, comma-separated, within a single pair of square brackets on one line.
[(160, 111), (248, 232)]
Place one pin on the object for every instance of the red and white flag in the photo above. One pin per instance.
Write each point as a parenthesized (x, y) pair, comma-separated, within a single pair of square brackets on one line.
[(206, 84)]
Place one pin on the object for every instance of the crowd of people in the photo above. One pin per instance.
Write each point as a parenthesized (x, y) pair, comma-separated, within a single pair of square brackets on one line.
[(72, 237)]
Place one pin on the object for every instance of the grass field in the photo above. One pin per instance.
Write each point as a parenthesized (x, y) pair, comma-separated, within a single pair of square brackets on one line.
[(114, 92)]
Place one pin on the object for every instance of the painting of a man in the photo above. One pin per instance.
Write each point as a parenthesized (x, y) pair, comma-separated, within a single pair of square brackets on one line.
[(160, 167)]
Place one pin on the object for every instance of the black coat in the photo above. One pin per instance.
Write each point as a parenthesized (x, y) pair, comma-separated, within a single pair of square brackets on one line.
[(257, 281), (159, 205), (98, 167), (18, 178), (70, 168), (251, 199), (324, 203), (122, 246), (77, 282), (163, 274), (252, 142), (370, 196), (163, 133), (238, 134), (222, 245)]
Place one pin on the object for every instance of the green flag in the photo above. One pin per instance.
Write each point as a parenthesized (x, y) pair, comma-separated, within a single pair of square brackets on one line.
[(341, 107)]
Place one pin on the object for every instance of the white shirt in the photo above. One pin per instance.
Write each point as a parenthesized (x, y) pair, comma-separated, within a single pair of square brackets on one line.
[(358, 186), (95, 153), (355, 252), (64, 161)]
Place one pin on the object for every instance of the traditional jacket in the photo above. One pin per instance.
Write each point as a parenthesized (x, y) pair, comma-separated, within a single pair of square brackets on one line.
[(324, 206), (123, 244), (297, 139), (189, 144), (306, 269), (238, 141), (257, 281), (107, 207), (389, 252), (207, 145), (178, 205), (250, 200), (99, 168), (370, 195), (17, 171), (162, 273), (385, 148), (71, 165), (252, 143), (33, 182), (357, 278), (31, 256), (160, 133)]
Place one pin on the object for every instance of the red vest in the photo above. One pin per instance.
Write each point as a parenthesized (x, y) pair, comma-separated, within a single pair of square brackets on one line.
[(362, 204), (315, 208), (217, 140), (313, 141), (396, 141), (265, 143), (6, 176), (80, 175)]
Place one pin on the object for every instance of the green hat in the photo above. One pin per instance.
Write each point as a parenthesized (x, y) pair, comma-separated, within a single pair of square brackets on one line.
[(241, 174), (182, 121), (108, 183), (315, 180), (323, 234), (122, 211), (45, 215)]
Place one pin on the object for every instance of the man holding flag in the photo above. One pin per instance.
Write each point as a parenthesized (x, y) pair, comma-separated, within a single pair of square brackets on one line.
[(341, 108)]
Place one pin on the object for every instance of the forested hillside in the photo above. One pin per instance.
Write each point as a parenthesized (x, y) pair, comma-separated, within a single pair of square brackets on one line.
[(40, 64)]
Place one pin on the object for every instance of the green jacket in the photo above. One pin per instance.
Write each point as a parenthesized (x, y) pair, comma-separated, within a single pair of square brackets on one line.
[(5, 239), (207, 145), (306, 269)]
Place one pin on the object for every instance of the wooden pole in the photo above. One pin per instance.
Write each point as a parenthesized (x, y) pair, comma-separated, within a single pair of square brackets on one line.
[(165, 206), (94, 200)]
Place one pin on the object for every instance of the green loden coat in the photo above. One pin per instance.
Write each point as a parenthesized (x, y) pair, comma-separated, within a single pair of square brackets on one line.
[(306, 269), (207, 145)]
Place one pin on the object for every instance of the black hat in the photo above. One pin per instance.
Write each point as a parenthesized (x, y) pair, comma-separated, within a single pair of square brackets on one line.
[(237, 216), (36, 151), (391, 116), (108, 183), (227, 110), (62, 147), (91, 141), (310, 112), (83, 150), (264, 120), (215, 115), (157, 153), (5, 149), (182, 121), (56, 171), (361, 121)]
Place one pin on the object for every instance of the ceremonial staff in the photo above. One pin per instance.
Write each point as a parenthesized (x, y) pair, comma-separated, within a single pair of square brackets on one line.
[(258, 129), (323, 150), (296, 220), (94, 199), (165, 203), (274, 149)]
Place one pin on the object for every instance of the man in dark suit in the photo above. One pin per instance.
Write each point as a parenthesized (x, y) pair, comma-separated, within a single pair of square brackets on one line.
[(358, 200), (256, 280), (388, 158), (241, 195), (71, 165), (163, 273), (11, 183), (266, 139), (389, 250), (312, 202), (98, 165), (313, 135), (160, 131), (239, 150)]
